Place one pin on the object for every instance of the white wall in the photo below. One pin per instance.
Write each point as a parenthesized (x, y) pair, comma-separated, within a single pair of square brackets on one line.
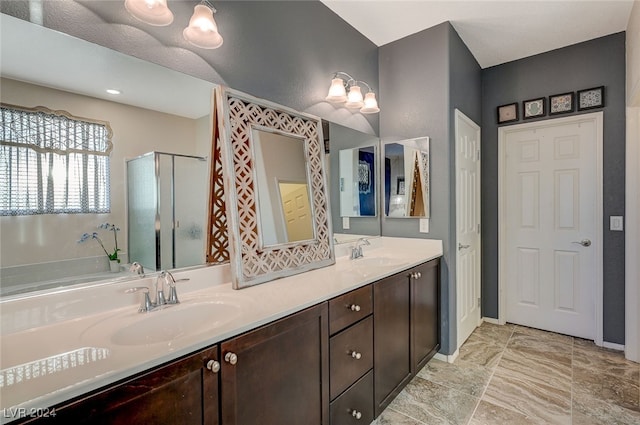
[(41, 238), (632, 197)]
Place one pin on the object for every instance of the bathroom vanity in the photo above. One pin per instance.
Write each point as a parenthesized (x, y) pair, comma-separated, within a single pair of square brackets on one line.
[(333, 345)]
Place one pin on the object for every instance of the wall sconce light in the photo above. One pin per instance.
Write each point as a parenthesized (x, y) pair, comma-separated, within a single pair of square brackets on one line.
[(353, 98), (202, 30), (152, 12)]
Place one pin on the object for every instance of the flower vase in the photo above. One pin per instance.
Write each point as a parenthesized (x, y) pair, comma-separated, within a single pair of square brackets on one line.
[(114, 265)]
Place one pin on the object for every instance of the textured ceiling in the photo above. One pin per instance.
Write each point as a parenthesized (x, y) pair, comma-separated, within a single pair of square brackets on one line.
[(495, 31)]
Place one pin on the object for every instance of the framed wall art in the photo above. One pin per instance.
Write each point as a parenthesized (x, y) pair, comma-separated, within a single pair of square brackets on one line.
[(561, 103), (507, 113), (591, 98), (534, 108)]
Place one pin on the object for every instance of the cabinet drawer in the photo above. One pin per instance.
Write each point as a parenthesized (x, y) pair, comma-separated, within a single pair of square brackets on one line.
[(349, 308), (350, 356), (357, 399)]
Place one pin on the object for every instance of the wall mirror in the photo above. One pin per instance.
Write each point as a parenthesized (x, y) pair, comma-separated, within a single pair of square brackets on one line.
[(357, 181), (284, 203), (354, 182), (248, 130), (158, 110), (406, 178)]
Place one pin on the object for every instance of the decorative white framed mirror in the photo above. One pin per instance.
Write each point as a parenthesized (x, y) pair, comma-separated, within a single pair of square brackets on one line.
[(275, 188), (406, 178)]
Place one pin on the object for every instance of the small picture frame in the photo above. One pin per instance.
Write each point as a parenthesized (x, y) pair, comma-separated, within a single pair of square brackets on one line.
[(591, 98), (561, 103), (507, 113), (534, 108), (400, 186)]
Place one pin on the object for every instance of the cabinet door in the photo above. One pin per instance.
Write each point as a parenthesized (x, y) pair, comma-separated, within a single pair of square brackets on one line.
[(391, 329), (183, 392), (281, 372), (425, 313)]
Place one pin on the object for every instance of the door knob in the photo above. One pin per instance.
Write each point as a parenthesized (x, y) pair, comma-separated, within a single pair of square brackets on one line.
[(460, 246), (584, 242), (213, 366), (231, 358)]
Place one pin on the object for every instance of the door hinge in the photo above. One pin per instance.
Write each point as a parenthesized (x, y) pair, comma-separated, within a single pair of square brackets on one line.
[(478, 302), (478, 155), (478, 228)]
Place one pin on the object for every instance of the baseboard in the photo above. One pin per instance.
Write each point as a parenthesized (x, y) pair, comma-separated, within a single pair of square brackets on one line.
[(449, 358), (491, 320), (613, 346)]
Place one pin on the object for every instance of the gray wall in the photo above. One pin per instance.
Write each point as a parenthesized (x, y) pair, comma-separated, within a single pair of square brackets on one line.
[(283, 51), (419, 90), (593, 63)]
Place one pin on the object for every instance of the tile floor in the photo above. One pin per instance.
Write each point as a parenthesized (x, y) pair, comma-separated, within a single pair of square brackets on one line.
[(515, 375)]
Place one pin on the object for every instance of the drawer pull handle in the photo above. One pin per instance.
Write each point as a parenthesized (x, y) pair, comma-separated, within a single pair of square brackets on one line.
[(356, 355), (356, 414), (231, 358), (213, 366), (354, 307)]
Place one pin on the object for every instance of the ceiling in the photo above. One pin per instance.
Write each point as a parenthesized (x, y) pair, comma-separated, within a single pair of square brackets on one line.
[(495, 31)]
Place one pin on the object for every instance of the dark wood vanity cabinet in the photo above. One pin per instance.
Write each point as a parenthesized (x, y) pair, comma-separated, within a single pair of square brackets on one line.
[(406, 328), (182, 392), (351, 357), (391, 327), (339, 362), (278, 374), (425, 313)]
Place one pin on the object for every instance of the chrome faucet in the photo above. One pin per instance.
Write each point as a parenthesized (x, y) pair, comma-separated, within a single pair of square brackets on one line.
[(356, 250), (168, 278), (137, 268), (163, 278)]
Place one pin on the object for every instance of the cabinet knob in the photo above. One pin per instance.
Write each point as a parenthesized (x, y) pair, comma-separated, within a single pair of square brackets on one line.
[(356, 355), (231, 358), (354, 307), (356, 414), (416, 275), (213, 366)]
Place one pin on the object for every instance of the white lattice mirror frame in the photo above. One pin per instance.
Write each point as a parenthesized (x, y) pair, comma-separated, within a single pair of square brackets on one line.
[(251, 264)]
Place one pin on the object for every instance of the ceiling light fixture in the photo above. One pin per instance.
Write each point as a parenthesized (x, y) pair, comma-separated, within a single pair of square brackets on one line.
[(353, 97), (202, 30), (152, 12)]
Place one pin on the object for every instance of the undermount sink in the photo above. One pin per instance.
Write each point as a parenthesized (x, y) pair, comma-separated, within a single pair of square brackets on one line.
[(165, 324), (174, 322)]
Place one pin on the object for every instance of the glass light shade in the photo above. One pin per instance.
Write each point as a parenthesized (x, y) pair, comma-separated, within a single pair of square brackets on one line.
[(354, 98), (370, 104), (202, 30), (152, 12), (337, 93)]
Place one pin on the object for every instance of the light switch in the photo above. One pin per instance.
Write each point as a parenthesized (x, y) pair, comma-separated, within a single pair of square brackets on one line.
[(345, 222), (616, 222), (424, 225)]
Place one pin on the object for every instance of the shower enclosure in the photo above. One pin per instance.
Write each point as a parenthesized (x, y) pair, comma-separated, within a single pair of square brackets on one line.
[(166, 210)]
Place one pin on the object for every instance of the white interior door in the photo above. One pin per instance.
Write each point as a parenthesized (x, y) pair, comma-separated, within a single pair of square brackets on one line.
[(552, 225), (467, 135)]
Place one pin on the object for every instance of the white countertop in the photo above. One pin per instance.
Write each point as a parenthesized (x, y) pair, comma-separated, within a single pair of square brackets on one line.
[(58, 345)]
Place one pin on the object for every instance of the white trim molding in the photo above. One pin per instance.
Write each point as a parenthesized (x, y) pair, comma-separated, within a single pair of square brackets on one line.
[(492, 321), (632, 236), (449, 358), (597, 118)]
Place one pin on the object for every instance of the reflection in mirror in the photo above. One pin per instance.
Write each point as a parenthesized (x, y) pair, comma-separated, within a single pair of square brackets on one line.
[(345, 142), (166, 210), (406, 178), (158, 110), (284, 205), (357, 182)]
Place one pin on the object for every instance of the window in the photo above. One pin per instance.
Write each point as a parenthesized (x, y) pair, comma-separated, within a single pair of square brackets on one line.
[(52, 162)]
